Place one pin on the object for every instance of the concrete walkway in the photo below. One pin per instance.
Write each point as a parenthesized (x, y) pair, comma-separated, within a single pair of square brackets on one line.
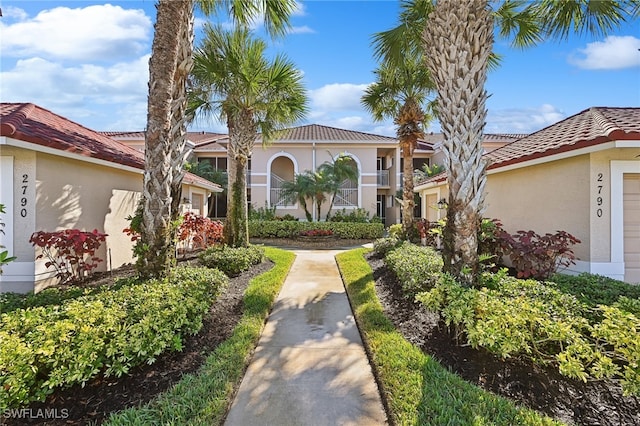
[(309, 368)]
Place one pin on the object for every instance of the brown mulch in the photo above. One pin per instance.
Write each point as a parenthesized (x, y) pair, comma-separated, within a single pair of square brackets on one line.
[(530, 385), (93, 403)]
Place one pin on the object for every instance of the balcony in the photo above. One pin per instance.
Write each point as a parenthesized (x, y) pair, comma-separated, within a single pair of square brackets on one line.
[(383, 178)]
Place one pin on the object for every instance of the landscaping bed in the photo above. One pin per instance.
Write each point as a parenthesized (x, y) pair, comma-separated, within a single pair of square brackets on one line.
[(310, 243), (99, 397), (542, 389)]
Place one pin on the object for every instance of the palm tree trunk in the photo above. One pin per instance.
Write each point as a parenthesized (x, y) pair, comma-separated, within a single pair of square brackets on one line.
[(242, 136), (173, 18), (407, 186), (178, 136), (458, 40)]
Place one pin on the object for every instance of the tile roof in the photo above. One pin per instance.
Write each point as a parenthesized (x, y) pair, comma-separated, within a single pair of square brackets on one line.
[(593, 126), (590, 127), (317, 132), (31, 123)]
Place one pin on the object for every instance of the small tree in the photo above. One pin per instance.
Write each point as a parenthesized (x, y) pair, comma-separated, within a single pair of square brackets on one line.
[(335, 173)]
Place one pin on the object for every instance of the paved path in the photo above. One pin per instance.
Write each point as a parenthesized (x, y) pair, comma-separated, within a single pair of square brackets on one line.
[(309, 368)]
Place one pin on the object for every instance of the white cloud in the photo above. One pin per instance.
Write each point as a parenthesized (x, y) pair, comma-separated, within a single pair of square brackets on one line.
[(615, 52), (338, 96), (522, 120), (99, 32), (301, 30), (74, 91)]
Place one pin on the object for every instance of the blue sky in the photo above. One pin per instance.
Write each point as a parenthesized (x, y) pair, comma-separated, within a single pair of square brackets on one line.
[(88, 61)]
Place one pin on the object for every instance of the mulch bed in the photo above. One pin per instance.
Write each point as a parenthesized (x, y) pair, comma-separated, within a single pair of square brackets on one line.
[(542, 389), (94, 402)]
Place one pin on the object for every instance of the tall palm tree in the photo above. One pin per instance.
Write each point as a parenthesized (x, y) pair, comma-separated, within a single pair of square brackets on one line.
[(342, 168), (233, 80), (169, 67), (400, 92), (458, 39)]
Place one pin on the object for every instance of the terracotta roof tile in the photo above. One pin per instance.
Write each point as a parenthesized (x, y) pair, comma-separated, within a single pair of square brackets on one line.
[(31, 123), (316, 132), (590, 127)]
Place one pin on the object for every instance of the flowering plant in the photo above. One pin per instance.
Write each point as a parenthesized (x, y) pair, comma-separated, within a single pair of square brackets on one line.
[(316, 233)]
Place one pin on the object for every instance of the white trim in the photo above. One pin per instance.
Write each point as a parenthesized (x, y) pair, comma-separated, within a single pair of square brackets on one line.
[(268, 175), (256, 185), (61, 153), (369, 185), (627, 144), (6, 198), (618, 169), (370, 174), (258, 174), (567, 154), (608, 269)]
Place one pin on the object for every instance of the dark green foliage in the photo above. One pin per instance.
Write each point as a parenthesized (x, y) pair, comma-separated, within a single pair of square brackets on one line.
[(290, 229), (232, 260), (594, 290)]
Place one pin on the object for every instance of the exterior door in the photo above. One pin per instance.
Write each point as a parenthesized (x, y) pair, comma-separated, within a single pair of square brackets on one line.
[(631, 203)]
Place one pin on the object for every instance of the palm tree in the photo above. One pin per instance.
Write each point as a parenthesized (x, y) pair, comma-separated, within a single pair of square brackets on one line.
[(458, 39), (342, 168), (399, 92), (169, 67), (299, 190), (233, 81)]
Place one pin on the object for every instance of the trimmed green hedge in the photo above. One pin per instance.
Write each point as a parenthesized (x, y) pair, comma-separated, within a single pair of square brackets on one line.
[(290, 229), (232, 260), (108, 333)]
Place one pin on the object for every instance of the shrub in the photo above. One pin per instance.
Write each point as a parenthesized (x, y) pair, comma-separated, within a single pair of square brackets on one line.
[(199, 232), (358, 215), (232, 260), (316, 233), (536, 256), (289, 229), (595, 290), (382, 246), (417, 268), (71, 252), (108, 333), (4, 254), (395, 230), (529, 318)]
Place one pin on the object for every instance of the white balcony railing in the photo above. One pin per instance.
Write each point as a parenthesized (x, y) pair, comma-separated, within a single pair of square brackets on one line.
[(383, 178), (347, 195), (276, 191)]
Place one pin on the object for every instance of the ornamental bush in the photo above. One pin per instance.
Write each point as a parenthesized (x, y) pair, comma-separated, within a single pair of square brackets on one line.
[(290, 229), (108, 333), (382, 246), (528, 318), (417, 268), (232, 260), (71, 252)]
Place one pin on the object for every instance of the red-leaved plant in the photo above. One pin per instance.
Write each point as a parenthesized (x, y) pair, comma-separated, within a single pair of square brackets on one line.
[(199, 231), (316, 233), (539, 256), (70, 252)]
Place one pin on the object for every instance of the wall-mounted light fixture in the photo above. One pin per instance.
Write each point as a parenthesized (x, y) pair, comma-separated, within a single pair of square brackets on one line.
[(442, 204)]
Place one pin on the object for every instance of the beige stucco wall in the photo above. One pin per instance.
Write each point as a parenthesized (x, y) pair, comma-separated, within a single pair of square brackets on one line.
[(303, 158), (544, 198), (87, 196)]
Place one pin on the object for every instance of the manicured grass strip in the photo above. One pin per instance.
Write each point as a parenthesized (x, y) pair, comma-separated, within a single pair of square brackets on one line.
[(203, 398), (419, 390)]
